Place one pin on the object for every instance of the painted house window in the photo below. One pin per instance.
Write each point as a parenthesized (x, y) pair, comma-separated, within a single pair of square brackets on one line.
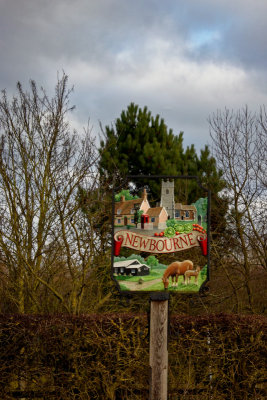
[(118, 212), (177, 213), (187, 214), (133, 271), (152, 219), (119, 221), (122, 270), (132, 220)]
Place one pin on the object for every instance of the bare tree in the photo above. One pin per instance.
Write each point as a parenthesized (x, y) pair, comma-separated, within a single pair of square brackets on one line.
[(43, 232), (239, 142)]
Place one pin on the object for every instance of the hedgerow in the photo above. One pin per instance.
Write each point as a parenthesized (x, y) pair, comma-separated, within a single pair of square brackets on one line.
[(107, 357)]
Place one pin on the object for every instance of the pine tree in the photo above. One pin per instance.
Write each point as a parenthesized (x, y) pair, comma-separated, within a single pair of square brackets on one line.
[(140, 144)]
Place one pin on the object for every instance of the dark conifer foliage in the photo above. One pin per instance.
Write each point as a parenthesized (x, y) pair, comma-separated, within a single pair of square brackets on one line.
[(141, 144)]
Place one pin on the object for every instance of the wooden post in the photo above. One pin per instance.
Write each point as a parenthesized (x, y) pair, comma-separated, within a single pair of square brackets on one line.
[(158, 346)]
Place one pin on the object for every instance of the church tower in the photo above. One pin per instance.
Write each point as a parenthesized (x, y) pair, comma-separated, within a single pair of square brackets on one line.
[(167, 197)]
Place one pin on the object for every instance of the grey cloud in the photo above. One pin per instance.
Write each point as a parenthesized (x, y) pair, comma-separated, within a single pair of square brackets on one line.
[(152, 52)]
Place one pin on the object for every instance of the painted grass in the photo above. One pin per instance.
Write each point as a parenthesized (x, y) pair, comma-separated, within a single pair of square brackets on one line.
[(123, 288), (156, 274), (181, 287)]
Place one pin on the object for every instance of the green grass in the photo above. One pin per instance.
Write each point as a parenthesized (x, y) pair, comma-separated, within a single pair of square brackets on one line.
[(153, 275), (123, 287), (156, 274), (159, 268), (181, 287)]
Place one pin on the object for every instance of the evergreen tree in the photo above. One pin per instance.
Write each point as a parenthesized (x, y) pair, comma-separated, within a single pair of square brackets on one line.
[(140, 144)]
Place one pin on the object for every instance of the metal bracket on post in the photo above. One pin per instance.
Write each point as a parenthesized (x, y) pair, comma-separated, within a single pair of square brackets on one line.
[(159, 296)]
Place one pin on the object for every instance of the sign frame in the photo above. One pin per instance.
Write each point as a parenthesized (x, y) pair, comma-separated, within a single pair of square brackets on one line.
[(204, 289)]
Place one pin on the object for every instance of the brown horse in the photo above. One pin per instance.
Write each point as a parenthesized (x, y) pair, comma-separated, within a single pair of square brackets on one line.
[(174, 270), (188, 274)]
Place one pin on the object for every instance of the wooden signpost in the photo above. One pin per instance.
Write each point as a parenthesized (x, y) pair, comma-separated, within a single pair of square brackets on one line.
[(158, 346), (152, 226)]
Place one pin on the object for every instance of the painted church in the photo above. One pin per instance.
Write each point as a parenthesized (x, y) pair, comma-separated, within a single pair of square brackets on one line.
[(153, 217)]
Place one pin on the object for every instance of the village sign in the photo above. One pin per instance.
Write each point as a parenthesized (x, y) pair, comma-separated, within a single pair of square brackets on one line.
[(156, 224)]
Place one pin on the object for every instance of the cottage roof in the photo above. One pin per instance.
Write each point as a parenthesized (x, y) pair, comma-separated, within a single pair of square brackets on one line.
[(126, 263), (138, 266), (154, 212), (129, 264), (126, 206), (179, 206)]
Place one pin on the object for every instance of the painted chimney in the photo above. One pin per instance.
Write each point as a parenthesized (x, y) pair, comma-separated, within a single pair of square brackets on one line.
[(122, 199), (144, 196)]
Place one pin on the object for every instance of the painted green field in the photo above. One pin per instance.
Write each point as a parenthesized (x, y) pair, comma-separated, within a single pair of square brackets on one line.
[(181, 286), (145, 283), (155, 274)]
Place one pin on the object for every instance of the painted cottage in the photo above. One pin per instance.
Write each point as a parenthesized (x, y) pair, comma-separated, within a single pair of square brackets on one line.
[(130, 267), (184, 212), (125, 209), (157, 217)]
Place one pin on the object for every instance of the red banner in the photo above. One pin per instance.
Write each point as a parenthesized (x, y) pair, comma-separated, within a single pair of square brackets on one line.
[(151, 244)]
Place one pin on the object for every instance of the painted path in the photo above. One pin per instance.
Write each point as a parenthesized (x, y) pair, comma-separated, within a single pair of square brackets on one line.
[(134, 286)]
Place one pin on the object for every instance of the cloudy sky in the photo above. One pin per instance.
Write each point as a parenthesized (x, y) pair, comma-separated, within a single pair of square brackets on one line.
[(184, 59)]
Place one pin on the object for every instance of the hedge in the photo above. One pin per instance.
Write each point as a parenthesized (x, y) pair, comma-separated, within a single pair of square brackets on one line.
[(106, 357)]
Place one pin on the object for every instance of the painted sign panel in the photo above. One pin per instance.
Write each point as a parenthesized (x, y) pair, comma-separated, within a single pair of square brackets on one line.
[(160, 235)]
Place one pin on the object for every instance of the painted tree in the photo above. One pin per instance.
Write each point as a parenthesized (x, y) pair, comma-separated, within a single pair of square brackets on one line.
[(152, 261), (127, 195)]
